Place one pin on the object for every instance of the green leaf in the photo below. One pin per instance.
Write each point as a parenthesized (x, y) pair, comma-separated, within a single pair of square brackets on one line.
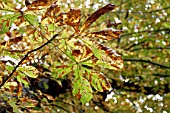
[(7, 21), (8, 16), (20, 78), (96, 84), (97, 52), (69, 54), (104, 65), (86, 91), (76, 72), (88, 63), (98, 81), (82, 87), (61, 71), (51, 27), (76, 87), (30, 71), (32, 19), (9, 68)]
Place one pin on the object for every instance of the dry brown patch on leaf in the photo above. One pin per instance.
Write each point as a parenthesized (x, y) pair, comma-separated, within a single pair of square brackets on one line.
[(71, 18), (110, 56), (38, 3), (94, 16), (51, 11), (106, 34), (81, 52), (102, 79)]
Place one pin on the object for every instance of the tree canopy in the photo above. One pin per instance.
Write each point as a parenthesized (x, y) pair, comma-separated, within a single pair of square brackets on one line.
[(84, 56)]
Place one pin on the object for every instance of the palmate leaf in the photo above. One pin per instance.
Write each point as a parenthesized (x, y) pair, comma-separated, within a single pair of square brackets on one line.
[(94, 16)]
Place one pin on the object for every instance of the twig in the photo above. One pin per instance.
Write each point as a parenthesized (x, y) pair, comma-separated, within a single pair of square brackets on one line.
[(150, 48), (81, 111), (102, 107), (135, 45), (161, 75), (146, 61), (157, 10), (144, 31), (59, 107), (11, 75)]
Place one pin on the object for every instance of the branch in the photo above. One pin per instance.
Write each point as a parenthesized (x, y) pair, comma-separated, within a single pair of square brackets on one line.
[(81, 111), (146, 61), (100, 104), (165, 8), (135, 45), (161, 75), (144, 31), (11, 75), (150, 48)]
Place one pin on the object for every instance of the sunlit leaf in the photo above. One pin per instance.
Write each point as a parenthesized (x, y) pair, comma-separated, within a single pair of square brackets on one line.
[(106, 34), (81, 51), (38, 3), (9, 68), (21, 78), (85, 92), (71, 18), (111, 56), (82, 89), (10, 84), (88, 63), (61, 71), (32, 19), (7, 21), (94, 16), (19, 91), (13, 40), (51, 11), (76, 87), (98, 80), (30, 71), (97, 53)]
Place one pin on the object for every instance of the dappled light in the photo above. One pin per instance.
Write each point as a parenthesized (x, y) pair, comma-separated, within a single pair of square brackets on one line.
[(85, 56)]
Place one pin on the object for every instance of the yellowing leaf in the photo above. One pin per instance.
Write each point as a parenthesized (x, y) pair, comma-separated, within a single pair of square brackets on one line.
[(98, 80), (82, 89), (19, 92), (38, 3), (51, 11), (32, 19), (94, 16), (6, 22), (111, 56), (81, 51), (106, 34), (71, 18), (30, 71)]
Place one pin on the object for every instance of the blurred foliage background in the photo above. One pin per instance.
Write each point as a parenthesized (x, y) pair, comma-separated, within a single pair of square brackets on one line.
[(143, 85)]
